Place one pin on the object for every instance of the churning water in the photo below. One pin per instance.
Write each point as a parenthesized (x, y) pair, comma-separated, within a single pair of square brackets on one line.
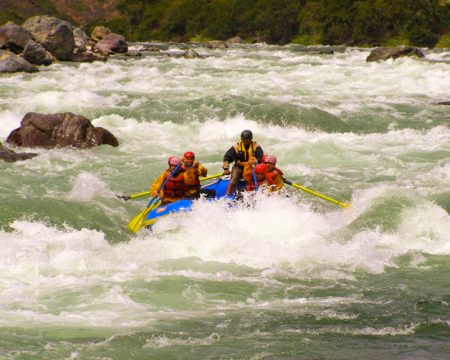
[(291, 277)]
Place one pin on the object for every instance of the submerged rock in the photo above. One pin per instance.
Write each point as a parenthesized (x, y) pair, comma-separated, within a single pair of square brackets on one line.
[(383, 53), (63, 129), (11, 156)]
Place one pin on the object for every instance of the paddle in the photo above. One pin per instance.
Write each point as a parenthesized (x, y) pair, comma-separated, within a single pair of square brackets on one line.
[(145, 193), (312, 192), (254, 178), (136, 223)]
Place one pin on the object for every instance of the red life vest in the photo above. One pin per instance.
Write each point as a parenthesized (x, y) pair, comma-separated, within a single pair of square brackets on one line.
[(266, 182), (175, 186), (273, 174)]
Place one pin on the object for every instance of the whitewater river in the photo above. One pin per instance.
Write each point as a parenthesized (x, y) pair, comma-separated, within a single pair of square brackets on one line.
[(292, 277)]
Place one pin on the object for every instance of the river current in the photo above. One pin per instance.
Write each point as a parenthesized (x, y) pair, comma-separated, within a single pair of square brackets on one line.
[(290, 277)]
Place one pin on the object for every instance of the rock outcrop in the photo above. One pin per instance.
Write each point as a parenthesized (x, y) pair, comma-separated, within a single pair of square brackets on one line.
[(11, 156), (14, 37), (36, 54), (54, 34), (63, 129), (383, 53), (112, 43), (10, 63)]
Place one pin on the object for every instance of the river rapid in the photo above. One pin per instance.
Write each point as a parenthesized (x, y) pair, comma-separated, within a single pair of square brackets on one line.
[(290, 277)]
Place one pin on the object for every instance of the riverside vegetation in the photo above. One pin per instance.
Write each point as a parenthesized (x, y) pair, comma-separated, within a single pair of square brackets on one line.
[(423, 23)]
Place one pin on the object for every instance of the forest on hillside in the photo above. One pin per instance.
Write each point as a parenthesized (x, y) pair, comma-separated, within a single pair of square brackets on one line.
[(351, 22)]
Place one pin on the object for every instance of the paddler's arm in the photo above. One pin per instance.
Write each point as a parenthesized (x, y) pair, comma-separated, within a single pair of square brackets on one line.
[(259, 153), (228, 158), (202, 171), (158, 182)]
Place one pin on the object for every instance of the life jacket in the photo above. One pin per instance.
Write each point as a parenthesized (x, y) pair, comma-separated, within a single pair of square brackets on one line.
[(243, 154), (266, 182), (191, 181), (174, 188), (273, 174)]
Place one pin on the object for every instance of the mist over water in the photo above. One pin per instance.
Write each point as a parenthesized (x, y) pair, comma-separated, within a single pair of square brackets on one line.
[(286, 275)]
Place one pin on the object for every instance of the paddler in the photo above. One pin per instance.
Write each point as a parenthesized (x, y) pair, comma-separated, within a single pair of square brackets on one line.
[(174, 188), (244, 151), (192, 172), (261, 178), (274, 174)]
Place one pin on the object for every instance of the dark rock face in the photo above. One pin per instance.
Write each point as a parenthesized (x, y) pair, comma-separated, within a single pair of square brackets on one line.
[(54, 34), (63, 129), (112, 43), (382, 53), (14, 37), (10, 63), (443, 103), (36, 54), (11, 156)]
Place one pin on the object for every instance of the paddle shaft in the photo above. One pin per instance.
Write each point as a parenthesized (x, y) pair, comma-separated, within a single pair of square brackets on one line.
[(315, 193)]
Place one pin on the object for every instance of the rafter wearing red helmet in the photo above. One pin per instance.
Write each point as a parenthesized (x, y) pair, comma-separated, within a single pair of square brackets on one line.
[(174, 188), (193, 171)]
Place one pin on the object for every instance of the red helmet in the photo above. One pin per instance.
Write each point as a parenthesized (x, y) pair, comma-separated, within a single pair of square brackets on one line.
[(189, 154), (261, 169), (271, 159), (173, 160)]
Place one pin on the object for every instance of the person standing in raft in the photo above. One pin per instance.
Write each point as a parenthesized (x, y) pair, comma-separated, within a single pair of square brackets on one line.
[(261, 178), (274, 174), (174, 188), (192, 172), (244, 151)]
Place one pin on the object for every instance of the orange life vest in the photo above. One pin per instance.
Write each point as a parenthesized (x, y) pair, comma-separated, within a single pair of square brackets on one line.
[(273, 174), (175, 186), (266, 182)]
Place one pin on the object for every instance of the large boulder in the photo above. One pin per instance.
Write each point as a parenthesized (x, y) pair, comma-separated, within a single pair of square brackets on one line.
[(112, 43), (36, 54), (14, 37), (63, 129), (56, 35), (11, 156), (10, 63), (383, 53)]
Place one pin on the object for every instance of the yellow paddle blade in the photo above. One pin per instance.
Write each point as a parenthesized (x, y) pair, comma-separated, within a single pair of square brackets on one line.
[(138, 221)]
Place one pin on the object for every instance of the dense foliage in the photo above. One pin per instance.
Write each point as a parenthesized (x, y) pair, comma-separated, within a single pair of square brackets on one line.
[(358, 22), (355, 22)]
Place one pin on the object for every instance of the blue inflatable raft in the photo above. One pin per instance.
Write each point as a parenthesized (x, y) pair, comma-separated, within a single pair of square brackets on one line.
[(217, 188)]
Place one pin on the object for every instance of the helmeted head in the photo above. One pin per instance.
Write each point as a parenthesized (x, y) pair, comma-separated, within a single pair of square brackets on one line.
[(173, 161), (189, 154), (246, 137), (188, 158), (270, 161), (261, 169)]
